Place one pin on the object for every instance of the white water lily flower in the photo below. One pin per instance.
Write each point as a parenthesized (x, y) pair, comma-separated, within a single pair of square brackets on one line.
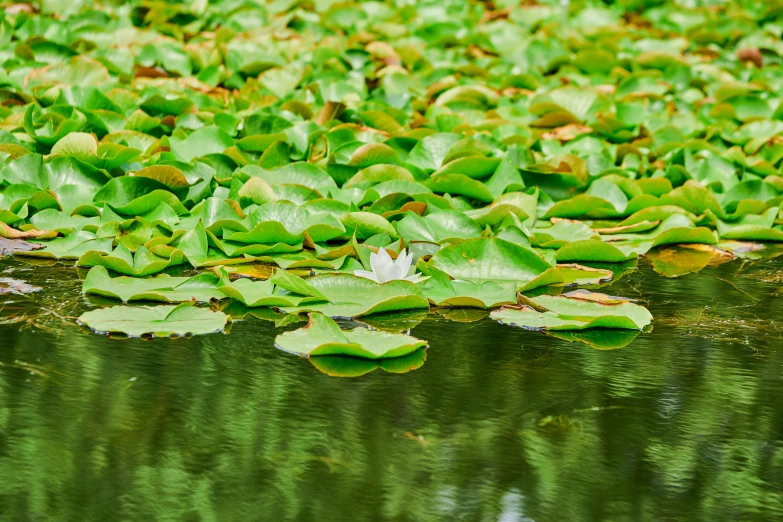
[(384, 268)]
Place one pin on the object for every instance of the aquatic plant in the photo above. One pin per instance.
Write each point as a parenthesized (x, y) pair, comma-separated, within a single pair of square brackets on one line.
[(385, 269), (498, 149)]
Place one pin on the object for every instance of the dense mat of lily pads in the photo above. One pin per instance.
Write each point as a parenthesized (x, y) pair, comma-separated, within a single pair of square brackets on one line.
[(491, 149)]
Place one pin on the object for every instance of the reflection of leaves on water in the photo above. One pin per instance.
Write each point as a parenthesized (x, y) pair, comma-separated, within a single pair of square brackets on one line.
[(561, 422), (706, 324), (568, 421), (403, 321), (15, 286), (333, 463), (770, 276), (59, 304), (676, 261), (463, 315), (35, 369), (342, 366), (600, 339), (418, 437), (528, 364)]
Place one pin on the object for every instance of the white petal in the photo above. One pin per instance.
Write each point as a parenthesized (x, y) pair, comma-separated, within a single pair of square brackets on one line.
[(384, 256), (365, 274), (410, 267), (401, 267), (417, 278), (384, 266), (375, 262)]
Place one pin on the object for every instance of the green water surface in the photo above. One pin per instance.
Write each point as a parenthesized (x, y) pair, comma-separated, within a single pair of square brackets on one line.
[(498, 424)]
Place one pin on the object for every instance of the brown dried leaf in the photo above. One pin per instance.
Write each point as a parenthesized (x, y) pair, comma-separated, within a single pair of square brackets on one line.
[(9, 246), (11, 233), (751, 55), (14, 286)]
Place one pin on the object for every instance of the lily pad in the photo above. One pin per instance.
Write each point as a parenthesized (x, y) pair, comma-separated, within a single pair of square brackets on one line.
[(444, 292), (322, 336), (164, 288), (577, 310), (350, 296), (481, 260), (156, 321)]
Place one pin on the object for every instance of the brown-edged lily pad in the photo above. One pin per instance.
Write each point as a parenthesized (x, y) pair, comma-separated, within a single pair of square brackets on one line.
[(578, 310)]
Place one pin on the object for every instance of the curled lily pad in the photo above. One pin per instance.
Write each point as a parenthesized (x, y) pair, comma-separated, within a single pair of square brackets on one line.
[(577, 310), (480, 260), (444, 292), (141, 263), (322, 336), (253, 293), (577, 275), (285, 222), (350, 296), (444, 226), (597, 250), (72, 246), (156, 321), (752, 227), (164, 288)]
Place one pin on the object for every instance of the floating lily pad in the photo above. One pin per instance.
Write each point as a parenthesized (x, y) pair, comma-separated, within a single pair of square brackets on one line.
[(444, 292), (322, 336), (141, 263), (578, 275), (350, 296), (156, 321), (481, 260), (577, 310), (164, 288)]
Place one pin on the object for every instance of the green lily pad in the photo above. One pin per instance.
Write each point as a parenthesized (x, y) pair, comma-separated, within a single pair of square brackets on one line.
[(164, 288), (485, 259), (596, 250), (285, 222), (72, 246), (444, 226), (578, 310), (444, 292), (156, 321), (350, 296), (322, 336)]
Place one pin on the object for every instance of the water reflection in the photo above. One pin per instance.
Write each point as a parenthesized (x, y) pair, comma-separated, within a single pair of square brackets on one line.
[(341, 366), (498, 424)]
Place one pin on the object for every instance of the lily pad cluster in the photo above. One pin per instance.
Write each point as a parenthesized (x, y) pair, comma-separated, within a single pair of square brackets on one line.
[(502, 145)]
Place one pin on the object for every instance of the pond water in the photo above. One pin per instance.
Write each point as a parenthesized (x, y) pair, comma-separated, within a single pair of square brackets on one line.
[(498, 424)]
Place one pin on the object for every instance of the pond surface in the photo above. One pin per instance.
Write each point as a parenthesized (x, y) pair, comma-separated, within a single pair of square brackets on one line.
[(498, 424)]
